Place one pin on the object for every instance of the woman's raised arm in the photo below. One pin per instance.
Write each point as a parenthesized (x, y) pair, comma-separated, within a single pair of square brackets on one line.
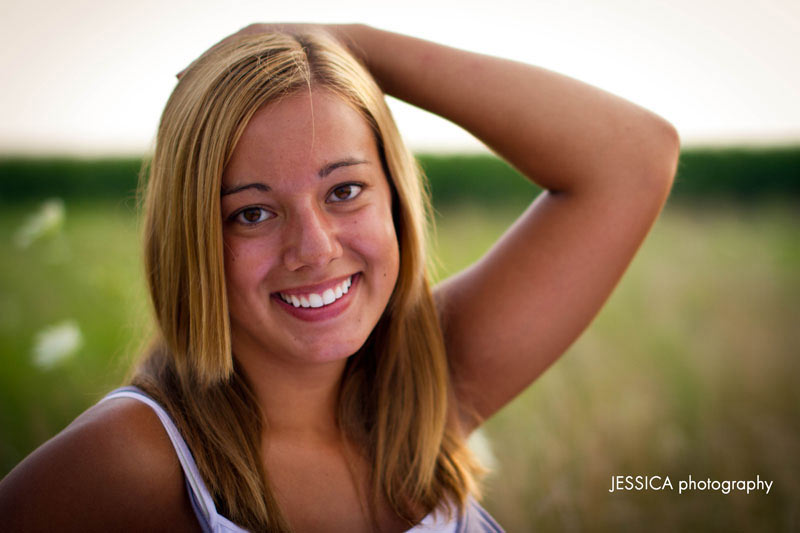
[(606, 165)]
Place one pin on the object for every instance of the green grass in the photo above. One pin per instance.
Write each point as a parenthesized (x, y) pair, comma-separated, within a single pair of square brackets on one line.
[(87, 272), (690, 369)]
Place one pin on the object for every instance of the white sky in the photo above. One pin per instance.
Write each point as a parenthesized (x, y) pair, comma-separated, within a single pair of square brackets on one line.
[(91, 77)]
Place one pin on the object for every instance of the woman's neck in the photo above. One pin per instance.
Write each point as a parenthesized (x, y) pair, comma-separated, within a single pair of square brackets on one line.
[(298, 400)]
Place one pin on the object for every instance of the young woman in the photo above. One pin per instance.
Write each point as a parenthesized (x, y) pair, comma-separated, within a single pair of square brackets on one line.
[(307, 376)]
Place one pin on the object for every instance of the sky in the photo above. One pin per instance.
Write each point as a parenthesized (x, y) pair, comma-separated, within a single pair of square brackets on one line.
[(91, 77)]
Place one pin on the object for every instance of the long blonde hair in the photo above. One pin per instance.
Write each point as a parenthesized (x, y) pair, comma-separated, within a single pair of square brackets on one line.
[(395, 401)]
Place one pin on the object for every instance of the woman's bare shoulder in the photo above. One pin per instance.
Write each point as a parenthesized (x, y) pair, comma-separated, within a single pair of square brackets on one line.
[(112, 468)]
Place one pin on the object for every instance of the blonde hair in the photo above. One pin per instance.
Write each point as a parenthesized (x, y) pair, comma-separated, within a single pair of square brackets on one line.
[(395, 400)]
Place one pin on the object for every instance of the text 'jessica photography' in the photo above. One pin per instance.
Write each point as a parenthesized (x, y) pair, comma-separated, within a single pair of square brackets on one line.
[(658, 483)]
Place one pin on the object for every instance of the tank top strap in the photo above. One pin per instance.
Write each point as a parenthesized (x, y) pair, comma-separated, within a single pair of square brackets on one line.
[(475, 519), (201, 499)]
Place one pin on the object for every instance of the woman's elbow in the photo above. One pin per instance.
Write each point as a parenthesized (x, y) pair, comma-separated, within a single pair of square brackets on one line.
[(662, 153)]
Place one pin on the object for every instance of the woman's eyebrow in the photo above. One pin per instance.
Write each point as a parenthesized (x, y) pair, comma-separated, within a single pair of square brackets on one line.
[(324, 171), (259, 186), (330, 167)]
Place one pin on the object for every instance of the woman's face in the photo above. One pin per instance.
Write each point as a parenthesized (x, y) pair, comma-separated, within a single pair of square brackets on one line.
[(311, 254)]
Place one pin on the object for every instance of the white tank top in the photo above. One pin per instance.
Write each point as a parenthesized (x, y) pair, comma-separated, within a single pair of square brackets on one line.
[(475, 519)]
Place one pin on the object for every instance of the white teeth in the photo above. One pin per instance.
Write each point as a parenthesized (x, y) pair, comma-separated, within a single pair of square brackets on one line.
[(328, 297), (315, 300)]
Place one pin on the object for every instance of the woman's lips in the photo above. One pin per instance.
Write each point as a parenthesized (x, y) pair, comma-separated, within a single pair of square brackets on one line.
[(312, 306), (318, 296)]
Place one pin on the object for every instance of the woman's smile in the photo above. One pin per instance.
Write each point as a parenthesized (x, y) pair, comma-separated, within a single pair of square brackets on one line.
[(321, 302)]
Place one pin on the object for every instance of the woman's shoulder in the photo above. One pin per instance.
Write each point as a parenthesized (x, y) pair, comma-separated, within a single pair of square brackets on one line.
[(114, 467)]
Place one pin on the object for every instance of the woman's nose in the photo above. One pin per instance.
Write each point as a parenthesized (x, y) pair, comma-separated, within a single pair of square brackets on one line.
[(312, 239)]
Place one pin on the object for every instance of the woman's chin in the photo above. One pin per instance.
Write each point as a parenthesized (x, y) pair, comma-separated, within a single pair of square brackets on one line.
[(329, 352)]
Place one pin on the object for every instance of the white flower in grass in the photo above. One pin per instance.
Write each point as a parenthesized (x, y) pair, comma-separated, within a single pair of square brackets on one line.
[(48, 220), (482, 448), (56, 343)]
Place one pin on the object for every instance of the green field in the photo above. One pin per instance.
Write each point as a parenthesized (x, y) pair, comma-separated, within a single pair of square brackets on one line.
[(690, 369)]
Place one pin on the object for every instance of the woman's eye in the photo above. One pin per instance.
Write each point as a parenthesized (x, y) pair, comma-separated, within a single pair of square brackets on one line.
[(252, 215), (345, 192)]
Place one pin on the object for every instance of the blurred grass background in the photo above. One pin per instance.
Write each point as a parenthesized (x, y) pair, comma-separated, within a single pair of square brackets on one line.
[(690, 369)]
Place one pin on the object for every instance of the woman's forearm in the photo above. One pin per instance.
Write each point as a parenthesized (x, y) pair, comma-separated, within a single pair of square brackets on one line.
[(565, 135)]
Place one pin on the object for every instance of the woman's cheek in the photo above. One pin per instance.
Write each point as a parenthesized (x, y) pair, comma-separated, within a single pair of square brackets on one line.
[(373, 236), (248, 259)]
